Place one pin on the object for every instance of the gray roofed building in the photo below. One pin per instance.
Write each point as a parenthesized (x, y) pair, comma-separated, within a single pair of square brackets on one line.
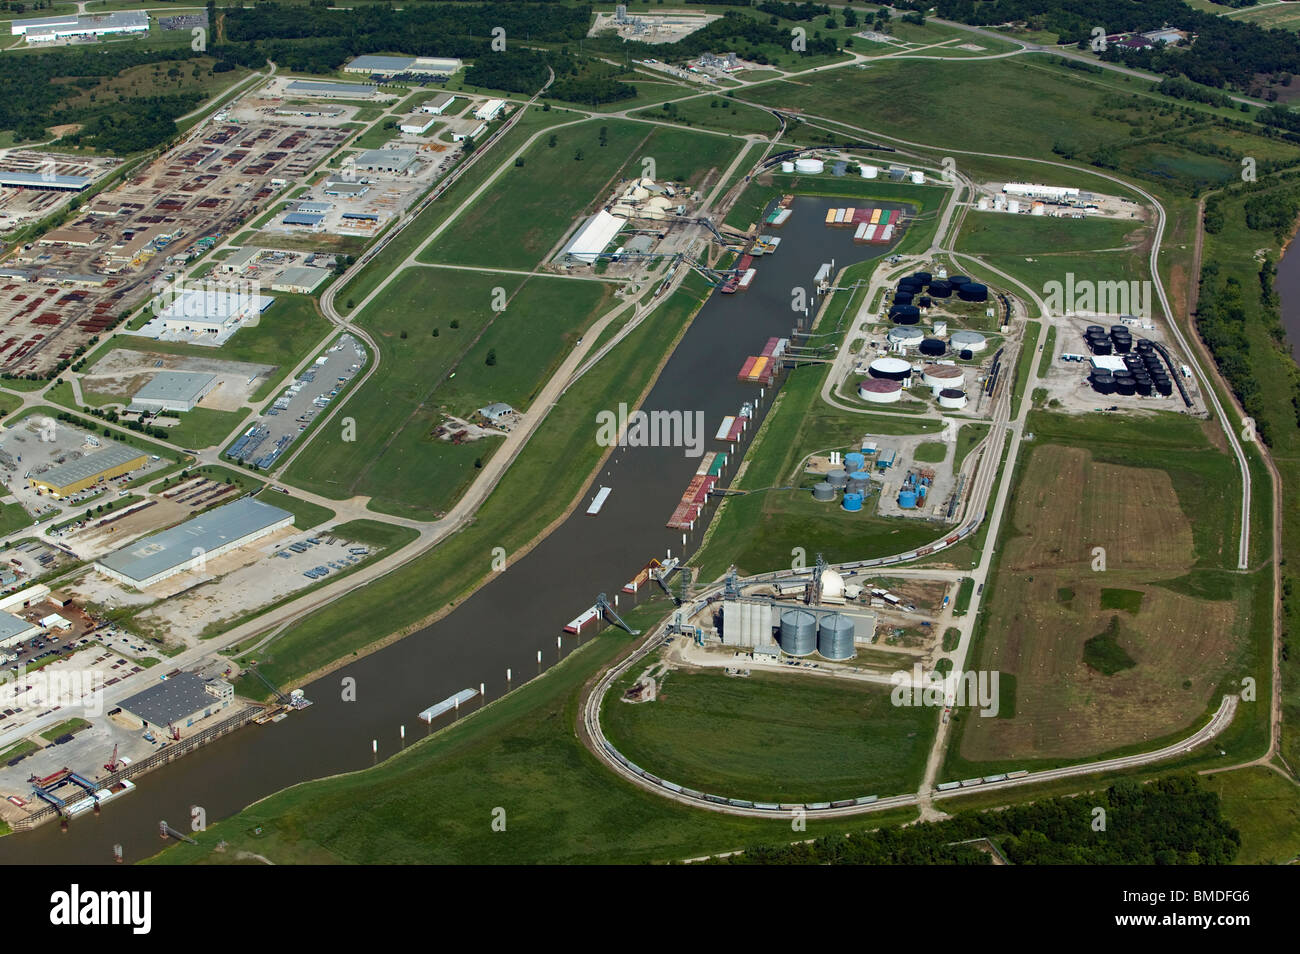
[(494, 412), (180, 700), (37, 180), (188, 545), (173, 391), (385, 160), (78, 474), (341, 90), (14, 629), (301, 279)]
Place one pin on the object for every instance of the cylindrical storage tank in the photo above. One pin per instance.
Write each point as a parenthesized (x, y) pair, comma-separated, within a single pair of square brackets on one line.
[(869, 172), (787, 167), (823, 492), (939, 288), (933, 347), (953, 399), (903, 297), (835, 637), (971, 341), (1125, 386), (1164, 386), (880, 390), (982, 203), (923, 302), (1103, 382), (798, 632), (966, 354), (973, 291), (943, 376), (1099, 345), (854, 461), (905, 315), (922, 277), (1144, 346), (956, 281), (1134, 363), (891, 369), (811, 166), (908, 336), (1119, 330), (852, 501), (907, 499), (837, 477), (857, 485), (1094, 330), (1142, 385)]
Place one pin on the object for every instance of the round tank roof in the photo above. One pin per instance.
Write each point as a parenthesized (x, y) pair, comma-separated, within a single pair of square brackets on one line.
[(890, 368), (905, 334), (967, 339), (943, 371), (880, 385)]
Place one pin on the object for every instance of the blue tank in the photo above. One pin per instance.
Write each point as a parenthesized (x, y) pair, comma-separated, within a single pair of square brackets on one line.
[(854, 461), (852, 502), (862, 474), (907, 499)]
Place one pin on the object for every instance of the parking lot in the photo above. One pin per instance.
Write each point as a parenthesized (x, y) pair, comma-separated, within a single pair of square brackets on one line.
[(266, 440)]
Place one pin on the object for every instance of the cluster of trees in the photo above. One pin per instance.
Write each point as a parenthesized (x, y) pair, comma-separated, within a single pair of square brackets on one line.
[(1221, 321), (1171, 821), (1182, 89), (1227, 52), (794, 11)]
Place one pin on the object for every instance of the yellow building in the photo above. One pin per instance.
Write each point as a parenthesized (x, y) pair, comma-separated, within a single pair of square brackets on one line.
[(77, 475)]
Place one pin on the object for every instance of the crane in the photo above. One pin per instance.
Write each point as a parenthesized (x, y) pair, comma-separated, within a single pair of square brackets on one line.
[(112, 764)]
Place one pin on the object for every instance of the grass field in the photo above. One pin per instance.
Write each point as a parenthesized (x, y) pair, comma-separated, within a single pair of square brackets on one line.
[(536, 489), (395, 459), (716, 112), (305, 513), (772, 737), (1265, 808), (999, 233), (1071, 499), (529, 212), (13, 517), (434, 802)]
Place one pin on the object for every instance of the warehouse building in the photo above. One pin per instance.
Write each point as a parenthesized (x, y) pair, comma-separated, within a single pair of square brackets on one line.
[(15, 629), (162, 555), (332, 90), (240, 261), (75, 476), (418, 125), (215, 312), (1034, 190), (594, 237), (392, 161), (490, 110), (387, 66), (48, 29), (439, 104), (173, 391), (178, 701), (346, 188), (35, 180), (300, 279)]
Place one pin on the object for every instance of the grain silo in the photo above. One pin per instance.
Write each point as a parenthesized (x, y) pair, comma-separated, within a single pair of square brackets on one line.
[(798, 632), (835, 637)]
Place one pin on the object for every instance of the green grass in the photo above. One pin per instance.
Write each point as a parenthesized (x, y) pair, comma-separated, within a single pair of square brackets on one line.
[(1104, 653), (13, 518), (519, 221), (521, 754), (63, 728), (951, 639), (395, 459), (968, 435), (708, 111), (772, 737), (1000, 233), (1265, 808), (961, 605), (241, 479), (1130, 601), (376, 533), (21, 747), (536, 489), (1049, 348), (205, 427), (930, 452), (1024, 364), (305, 513)]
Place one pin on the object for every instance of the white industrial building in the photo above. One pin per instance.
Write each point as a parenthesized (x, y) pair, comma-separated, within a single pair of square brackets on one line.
[(373, 65), (300, 279), (1035, 191), (49, 29), (173, 391), (439, 104), (205, 315), (490, 110), (418, 125), (472, 134), (321, 90), (391, 161), (593, 237), (189, 545), (15, 629)]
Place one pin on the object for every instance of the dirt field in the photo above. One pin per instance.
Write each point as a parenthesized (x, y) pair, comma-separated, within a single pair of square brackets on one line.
[(1047, 604), (122, 372)]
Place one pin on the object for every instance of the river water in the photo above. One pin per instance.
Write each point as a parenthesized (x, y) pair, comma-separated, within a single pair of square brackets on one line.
[(511, 618), (1287, 284)]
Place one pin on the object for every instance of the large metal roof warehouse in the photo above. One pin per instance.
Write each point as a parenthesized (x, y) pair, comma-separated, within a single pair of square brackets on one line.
[(14, 629), (108, 462), (173, 391), (180, 700), (154, 558), (594, 236)]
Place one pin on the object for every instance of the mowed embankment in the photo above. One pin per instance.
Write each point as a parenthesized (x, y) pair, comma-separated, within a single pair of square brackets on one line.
[(1081, 526)]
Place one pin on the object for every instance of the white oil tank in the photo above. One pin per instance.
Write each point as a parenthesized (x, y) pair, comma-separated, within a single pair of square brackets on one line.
[(918, 177), (869, 172), (810, 166), (1013, 206), (787, 166), (983, 203)]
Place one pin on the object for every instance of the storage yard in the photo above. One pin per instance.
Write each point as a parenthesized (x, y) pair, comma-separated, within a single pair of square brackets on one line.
[(122, 372), (79, 280), (35, 184)]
